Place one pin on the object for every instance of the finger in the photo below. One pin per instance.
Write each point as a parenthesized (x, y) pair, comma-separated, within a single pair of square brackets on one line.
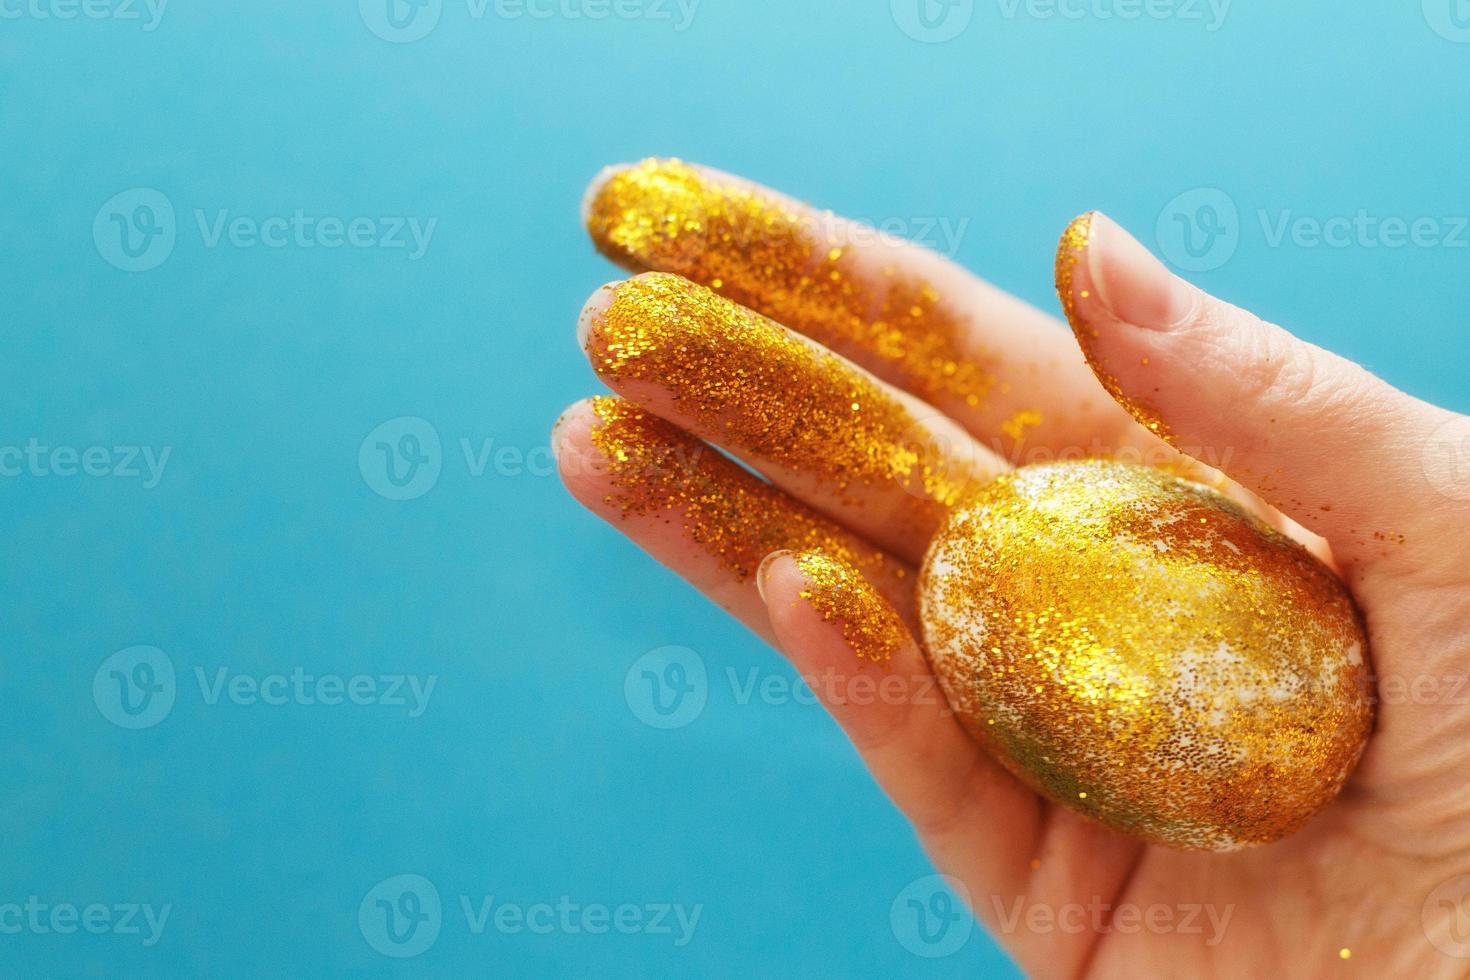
[(859, 658), (873, 458), (1003, 369), (1331, 445), (696, 511)]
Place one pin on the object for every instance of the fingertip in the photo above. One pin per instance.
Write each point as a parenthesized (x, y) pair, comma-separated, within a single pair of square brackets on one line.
[(1133, 284), (780, 582), (605, 202), (819, 601), (594, 310), (579, 463), (592, 195), (567, 414), (767, 565)]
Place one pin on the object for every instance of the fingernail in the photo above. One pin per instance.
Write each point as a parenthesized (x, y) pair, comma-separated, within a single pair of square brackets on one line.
[(765, 567), (1132, 283), (592, 311), (561, 420)]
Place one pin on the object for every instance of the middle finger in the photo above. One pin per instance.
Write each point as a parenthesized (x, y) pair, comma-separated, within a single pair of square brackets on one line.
[(872, 457)]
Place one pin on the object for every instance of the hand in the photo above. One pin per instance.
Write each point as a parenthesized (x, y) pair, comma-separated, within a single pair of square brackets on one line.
[(1378, 481)]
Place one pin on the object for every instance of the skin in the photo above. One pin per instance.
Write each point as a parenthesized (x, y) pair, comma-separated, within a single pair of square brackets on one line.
[(1363, 473)]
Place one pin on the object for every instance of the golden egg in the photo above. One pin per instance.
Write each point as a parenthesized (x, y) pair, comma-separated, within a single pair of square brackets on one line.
[(1137, 647)]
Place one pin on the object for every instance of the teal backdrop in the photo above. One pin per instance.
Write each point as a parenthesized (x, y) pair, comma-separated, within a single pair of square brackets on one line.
[(313, 669)]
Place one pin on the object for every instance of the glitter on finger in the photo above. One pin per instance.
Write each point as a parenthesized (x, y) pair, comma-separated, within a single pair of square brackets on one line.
[(838, 591), (654, 469), (768, 394), (762, 253)]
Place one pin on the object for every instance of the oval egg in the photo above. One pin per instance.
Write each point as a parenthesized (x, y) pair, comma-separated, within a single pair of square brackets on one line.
[(1138, 648)]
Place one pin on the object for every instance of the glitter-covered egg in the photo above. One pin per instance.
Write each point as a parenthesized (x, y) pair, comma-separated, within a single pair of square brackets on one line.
[(1136, 647)]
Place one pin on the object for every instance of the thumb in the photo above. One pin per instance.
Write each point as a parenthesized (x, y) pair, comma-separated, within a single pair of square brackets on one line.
[(1334, 447)]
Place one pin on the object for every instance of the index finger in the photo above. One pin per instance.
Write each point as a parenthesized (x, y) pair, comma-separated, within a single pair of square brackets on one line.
[(1006, 371)]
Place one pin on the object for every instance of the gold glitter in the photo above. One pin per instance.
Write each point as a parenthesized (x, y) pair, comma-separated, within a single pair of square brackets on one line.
[(1071, 250), (665, 215), (841, 594), (762, 391), (1345, 953), (1017, 424), (1137, 647), (656, 469)]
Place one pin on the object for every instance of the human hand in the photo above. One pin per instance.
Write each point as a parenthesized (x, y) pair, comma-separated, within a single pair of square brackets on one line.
[(862, 470)]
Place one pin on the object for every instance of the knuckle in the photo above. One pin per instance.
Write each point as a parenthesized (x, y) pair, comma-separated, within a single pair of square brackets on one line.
[(1274, 368)]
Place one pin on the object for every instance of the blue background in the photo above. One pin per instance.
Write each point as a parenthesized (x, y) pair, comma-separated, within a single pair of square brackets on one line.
[(265, 548)]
